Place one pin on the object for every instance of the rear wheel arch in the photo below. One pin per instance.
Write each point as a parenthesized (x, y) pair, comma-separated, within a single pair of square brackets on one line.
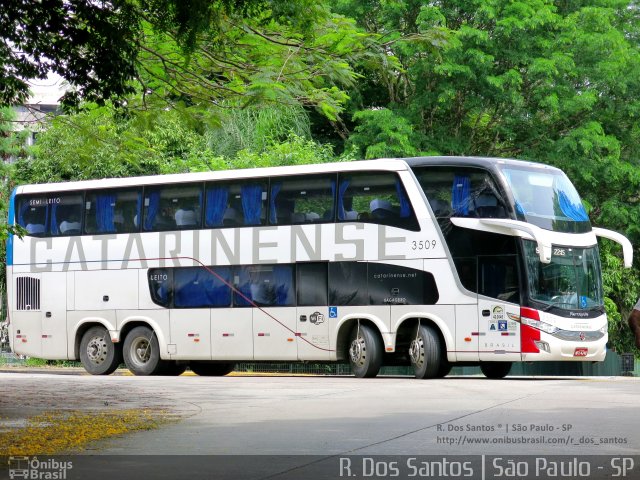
[(345, 330), (87, 324)]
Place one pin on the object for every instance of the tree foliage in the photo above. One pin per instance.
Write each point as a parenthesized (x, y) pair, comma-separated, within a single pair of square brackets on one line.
[(91, 44), (184, 53)]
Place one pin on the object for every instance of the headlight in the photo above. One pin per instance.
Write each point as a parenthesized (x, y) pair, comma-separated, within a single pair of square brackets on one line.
[(545, 327)]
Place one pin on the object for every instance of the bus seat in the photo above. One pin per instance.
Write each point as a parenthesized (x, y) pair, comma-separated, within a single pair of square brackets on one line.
[(312, 217), (186, 218), (34, 228), (381, 208), (69, 227), (351, 215), (230, 217), (440, 208), (297, 217), (487, 206)]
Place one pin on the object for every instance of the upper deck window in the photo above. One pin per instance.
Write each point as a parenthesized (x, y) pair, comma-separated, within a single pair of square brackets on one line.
[(235, 204), (112, 211), (376, 197), (461, 192), (172, 207), (51, 215), (547, 198), (298, 200)]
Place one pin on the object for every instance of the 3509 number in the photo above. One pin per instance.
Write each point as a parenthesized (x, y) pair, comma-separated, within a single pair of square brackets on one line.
[(423, 244)]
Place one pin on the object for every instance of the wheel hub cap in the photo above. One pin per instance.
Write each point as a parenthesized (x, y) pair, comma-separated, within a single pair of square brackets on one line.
[(140, 351), (416, 352), (357, 351), (97, 350)]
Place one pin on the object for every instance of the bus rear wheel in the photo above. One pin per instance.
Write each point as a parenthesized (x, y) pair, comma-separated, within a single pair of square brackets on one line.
[(495, 370), (172, 369), (211, 369), (98, 354), (365, 352), (142, 353), (425, 353)]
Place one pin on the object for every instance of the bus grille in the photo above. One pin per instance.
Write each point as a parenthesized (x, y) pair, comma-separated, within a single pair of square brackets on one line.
[(28, 293)]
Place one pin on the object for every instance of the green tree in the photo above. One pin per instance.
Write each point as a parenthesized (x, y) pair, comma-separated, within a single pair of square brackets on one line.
[(382, 133), (91, 44), (12, 147), (185, 53)]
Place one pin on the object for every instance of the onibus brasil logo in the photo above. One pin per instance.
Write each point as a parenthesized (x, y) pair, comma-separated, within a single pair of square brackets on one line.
[(33, 468)]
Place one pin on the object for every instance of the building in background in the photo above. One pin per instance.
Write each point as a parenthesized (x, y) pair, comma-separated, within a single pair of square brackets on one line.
[(44, 101)]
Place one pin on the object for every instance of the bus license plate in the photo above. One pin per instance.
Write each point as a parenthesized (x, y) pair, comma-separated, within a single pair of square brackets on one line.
[(580, 352)]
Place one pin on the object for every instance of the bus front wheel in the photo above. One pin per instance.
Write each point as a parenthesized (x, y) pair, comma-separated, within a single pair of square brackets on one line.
[(141, 352), (98, 354), (495, 370), (365, 352), (210, 369), (425, 353)]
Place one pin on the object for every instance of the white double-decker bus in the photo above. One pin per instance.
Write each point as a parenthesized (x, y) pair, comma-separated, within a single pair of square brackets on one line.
[(429, 262)]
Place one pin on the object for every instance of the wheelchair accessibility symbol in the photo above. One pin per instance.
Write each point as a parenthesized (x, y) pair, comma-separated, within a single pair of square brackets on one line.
[(333, 312)]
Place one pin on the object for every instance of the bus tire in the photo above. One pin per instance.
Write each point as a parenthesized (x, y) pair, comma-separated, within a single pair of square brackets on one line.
[(172, 369), (495, 370), (142, 353), (445, 369), (365, 352), (98, 354), (425, 352), (211, 369)]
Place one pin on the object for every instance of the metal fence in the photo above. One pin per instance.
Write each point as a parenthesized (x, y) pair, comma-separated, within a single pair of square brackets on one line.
[(9, 358)]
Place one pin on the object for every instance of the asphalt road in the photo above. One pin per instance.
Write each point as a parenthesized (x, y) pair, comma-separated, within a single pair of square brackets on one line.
[(342, 415), (283, 415)]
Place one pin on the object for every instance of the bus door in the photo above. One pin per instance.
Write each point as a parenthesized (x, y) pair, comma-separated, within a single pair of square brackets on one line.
[(312, 314), (498, 308), (54, 315), (467, 332)]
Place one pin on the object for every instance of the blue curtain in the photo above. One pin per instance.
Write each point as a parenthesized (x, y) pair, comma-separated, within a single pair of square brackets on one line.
[(191, 287), (54, 220), (344, 184), (152, 210), (24, 206), (163, 293), (283, 284), (244, 287), (216, 206), (220, 295), (137, 215), (251, 203), (405, 207), (104, 213), (331, 215), (273, 213), (573, 211), (460, 194), (519, 208)]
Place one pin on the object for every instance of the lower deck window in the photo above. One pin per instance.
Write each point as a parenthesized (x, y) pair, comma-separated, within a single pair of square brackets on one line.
[(303, 284)]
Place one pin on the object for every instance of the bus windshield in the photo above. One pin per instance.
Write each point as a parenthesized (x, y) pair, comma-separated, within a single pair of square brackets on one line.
[(548, 199), (570, 282)]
